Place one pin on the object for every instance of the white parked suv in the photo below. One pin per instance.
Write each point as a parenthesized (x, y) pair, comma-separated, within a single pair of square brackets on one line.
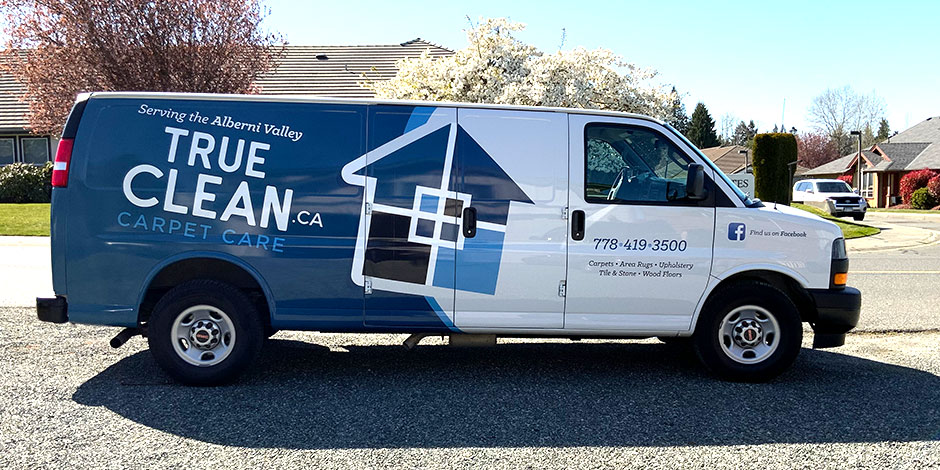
[(834, 196)]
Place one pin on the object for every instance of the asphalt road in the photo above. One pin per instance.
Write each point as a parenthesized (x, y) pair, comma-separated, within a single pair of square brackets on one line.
[(900, 288), (356, 401)]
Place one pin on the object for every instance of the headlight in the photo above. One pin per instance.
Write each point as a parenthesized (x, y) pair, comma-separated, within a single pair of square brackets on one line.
[(838, 249)]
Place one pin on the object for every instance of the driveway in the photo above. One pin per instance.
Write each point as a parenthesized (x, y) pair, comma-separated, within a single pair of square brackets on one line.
[(313, 400)]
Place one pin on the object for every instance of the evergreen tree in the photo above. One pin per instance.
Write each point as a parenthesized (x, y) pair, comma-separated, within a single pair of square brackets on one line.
[(744, 134), (883, 131), (702, 128), (740, 135), (751, 130), (868, 137), (677, 116)]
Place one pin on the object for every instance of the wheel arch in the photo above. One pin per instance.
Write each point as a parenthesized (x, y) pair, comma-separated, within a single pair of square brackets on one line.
[(204, 265), (788, 284)]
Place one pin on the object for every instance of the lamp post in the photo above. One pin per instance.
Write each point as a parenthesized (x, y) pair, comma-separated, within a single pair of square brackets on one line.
[(744, 152), (859, 158)]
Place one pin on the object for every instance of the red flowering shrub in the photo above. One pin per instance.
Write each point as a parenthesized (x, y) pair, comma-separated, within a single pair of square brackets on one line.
[(934, 187), (913, 181), (847, 179), (900, 206)]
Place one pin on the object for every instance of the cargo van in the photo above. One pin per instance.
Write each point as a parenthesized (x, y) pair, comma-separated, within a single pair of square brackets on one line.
[(208, 222)]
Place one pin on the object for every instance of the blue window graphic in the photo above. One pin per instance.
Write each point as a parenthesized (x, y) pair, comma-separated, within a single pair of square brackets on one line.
[(736, 232)]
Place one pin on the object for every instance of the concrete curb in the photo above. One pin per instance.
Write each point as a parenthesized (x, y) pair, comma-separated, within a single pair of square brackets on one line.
[(910, 237), (906, 215), (24, 241)]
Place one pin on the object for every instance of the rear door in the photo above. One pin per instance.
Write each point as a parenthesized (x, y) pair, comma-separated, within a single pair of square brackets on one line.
[(645, 256), (511, 177)]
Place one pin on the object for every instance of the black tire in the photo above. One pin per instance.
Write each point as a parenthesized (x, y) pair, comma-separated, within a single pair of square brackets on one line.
[(775, 353), (859, 218), (239, 318)]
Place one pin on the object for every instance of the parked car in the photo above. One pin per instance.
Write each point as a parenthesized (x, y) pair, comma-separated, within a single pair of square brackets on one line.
[(834, 196), (207, 222)]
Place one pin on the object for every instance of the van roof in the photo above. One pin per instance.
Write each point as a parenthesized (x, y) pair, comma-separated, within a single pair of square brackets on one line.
[(361, 101)]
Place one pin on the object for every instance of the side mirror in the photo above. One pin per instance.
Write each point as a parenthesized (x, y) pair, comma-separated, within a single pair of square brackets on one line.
[(810, 191), (695, 182)]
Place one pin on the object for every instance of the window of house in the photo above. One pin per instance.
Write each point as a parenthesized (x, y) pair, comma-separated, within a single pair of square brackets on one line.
[(7, 150), (632, 164), (867, 184), (35, 149)]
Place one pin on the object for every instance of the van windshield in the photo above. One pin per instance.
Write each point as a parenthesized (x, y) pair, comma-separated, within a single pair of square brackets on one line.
[(720, 174)]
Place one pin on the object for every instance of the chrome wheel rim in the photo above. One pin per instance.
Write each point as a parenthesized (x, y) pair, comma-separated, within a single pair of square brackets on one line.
[(749, 334), (203, 335)]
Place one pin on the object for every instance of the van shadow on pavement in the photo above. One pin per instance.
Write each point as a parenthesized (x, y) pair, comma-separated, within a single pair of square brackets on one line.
[(302, 395)]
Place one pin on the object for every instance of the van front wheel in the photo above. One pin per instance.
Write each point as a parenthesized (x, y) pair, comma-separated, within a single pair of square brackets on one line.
[(749, 332), (205, 332)]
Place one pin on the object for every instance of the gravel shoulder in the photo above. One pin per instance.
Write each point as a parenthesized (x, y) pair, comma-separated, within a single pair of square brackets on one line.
[(328, 401)]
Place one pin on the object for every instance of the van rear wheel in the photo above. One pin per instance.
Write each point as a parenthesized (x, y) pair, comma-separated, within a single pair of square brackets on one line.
[(748, 332), (205, 332)]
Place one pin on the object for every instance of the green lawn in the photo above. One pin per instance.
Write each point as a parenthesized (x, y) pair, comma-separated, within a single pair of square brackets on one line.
[(849, 229), (24, 219)]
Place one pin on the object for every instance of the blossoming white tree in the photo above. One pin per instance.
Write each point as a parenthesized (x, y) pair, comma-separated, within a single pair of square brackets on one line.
[(496, 67)]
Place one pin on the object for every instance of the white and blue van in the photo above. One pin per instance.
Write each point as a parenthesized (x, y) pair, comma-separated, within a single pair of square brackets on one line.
[(208, 222)]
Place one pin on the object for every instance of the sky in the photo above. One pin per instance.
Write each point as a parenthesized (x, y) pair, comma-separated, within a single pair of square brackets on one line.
[(743, 58)]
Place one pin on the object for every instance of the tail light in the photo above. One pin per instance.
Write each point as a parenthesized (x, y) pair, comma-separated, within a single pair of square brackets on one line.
[(60, 169)]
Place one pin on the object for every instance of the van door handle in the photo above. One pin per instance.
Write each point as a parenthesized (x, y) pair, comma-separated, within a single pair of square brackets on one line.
[(577, 225), (469, 222)]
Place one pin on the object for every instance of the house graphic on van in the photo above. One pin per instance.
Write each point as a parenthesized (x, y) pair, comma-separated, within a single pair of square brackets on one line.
[(411, 221)]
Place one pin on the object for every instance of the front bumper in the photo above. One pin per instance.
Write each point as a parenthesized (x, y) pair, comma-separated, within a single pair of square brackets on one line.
[(837, 312), (54, 310), (839, 208)]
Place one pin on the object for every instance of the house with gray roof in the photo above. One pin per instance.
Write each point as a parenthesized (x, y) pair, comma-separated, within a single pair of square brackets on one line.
[(729, 159), (885, 163), (328, 71), (17, 144)]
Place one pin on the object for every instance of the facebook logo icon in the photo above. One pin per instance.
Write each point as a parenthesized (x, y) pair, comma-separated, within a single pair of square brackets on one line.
[(736, 232)]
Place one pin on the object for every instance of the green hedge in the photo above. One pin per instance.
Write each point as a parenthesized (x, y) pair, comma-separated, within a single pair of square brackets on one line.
[(922, 199), (23, 182), (772, 175)]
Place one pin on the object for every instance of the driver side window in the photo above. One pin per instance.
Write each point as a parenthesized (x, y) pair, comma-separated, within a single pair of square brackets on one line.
[(632, 164)]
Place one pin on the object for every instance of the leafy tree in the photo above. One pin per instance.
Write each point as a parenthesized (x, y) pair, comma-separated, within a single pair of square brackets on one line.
[(496, 67), (837, 111), (727, 128), (702, 128), (678, 118), (815, 149), (60, 48), (884, 131)]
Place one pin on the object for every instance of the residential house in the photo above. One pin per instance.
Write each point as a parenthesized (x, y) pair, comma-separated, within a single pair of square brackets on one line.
[(883, 164), (17, 144), (329, 71), (729, 159)]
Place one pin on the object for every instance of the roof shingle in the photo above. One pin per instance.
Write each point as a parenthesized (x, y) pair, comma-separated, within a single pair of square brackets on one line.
[(337, 71)]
